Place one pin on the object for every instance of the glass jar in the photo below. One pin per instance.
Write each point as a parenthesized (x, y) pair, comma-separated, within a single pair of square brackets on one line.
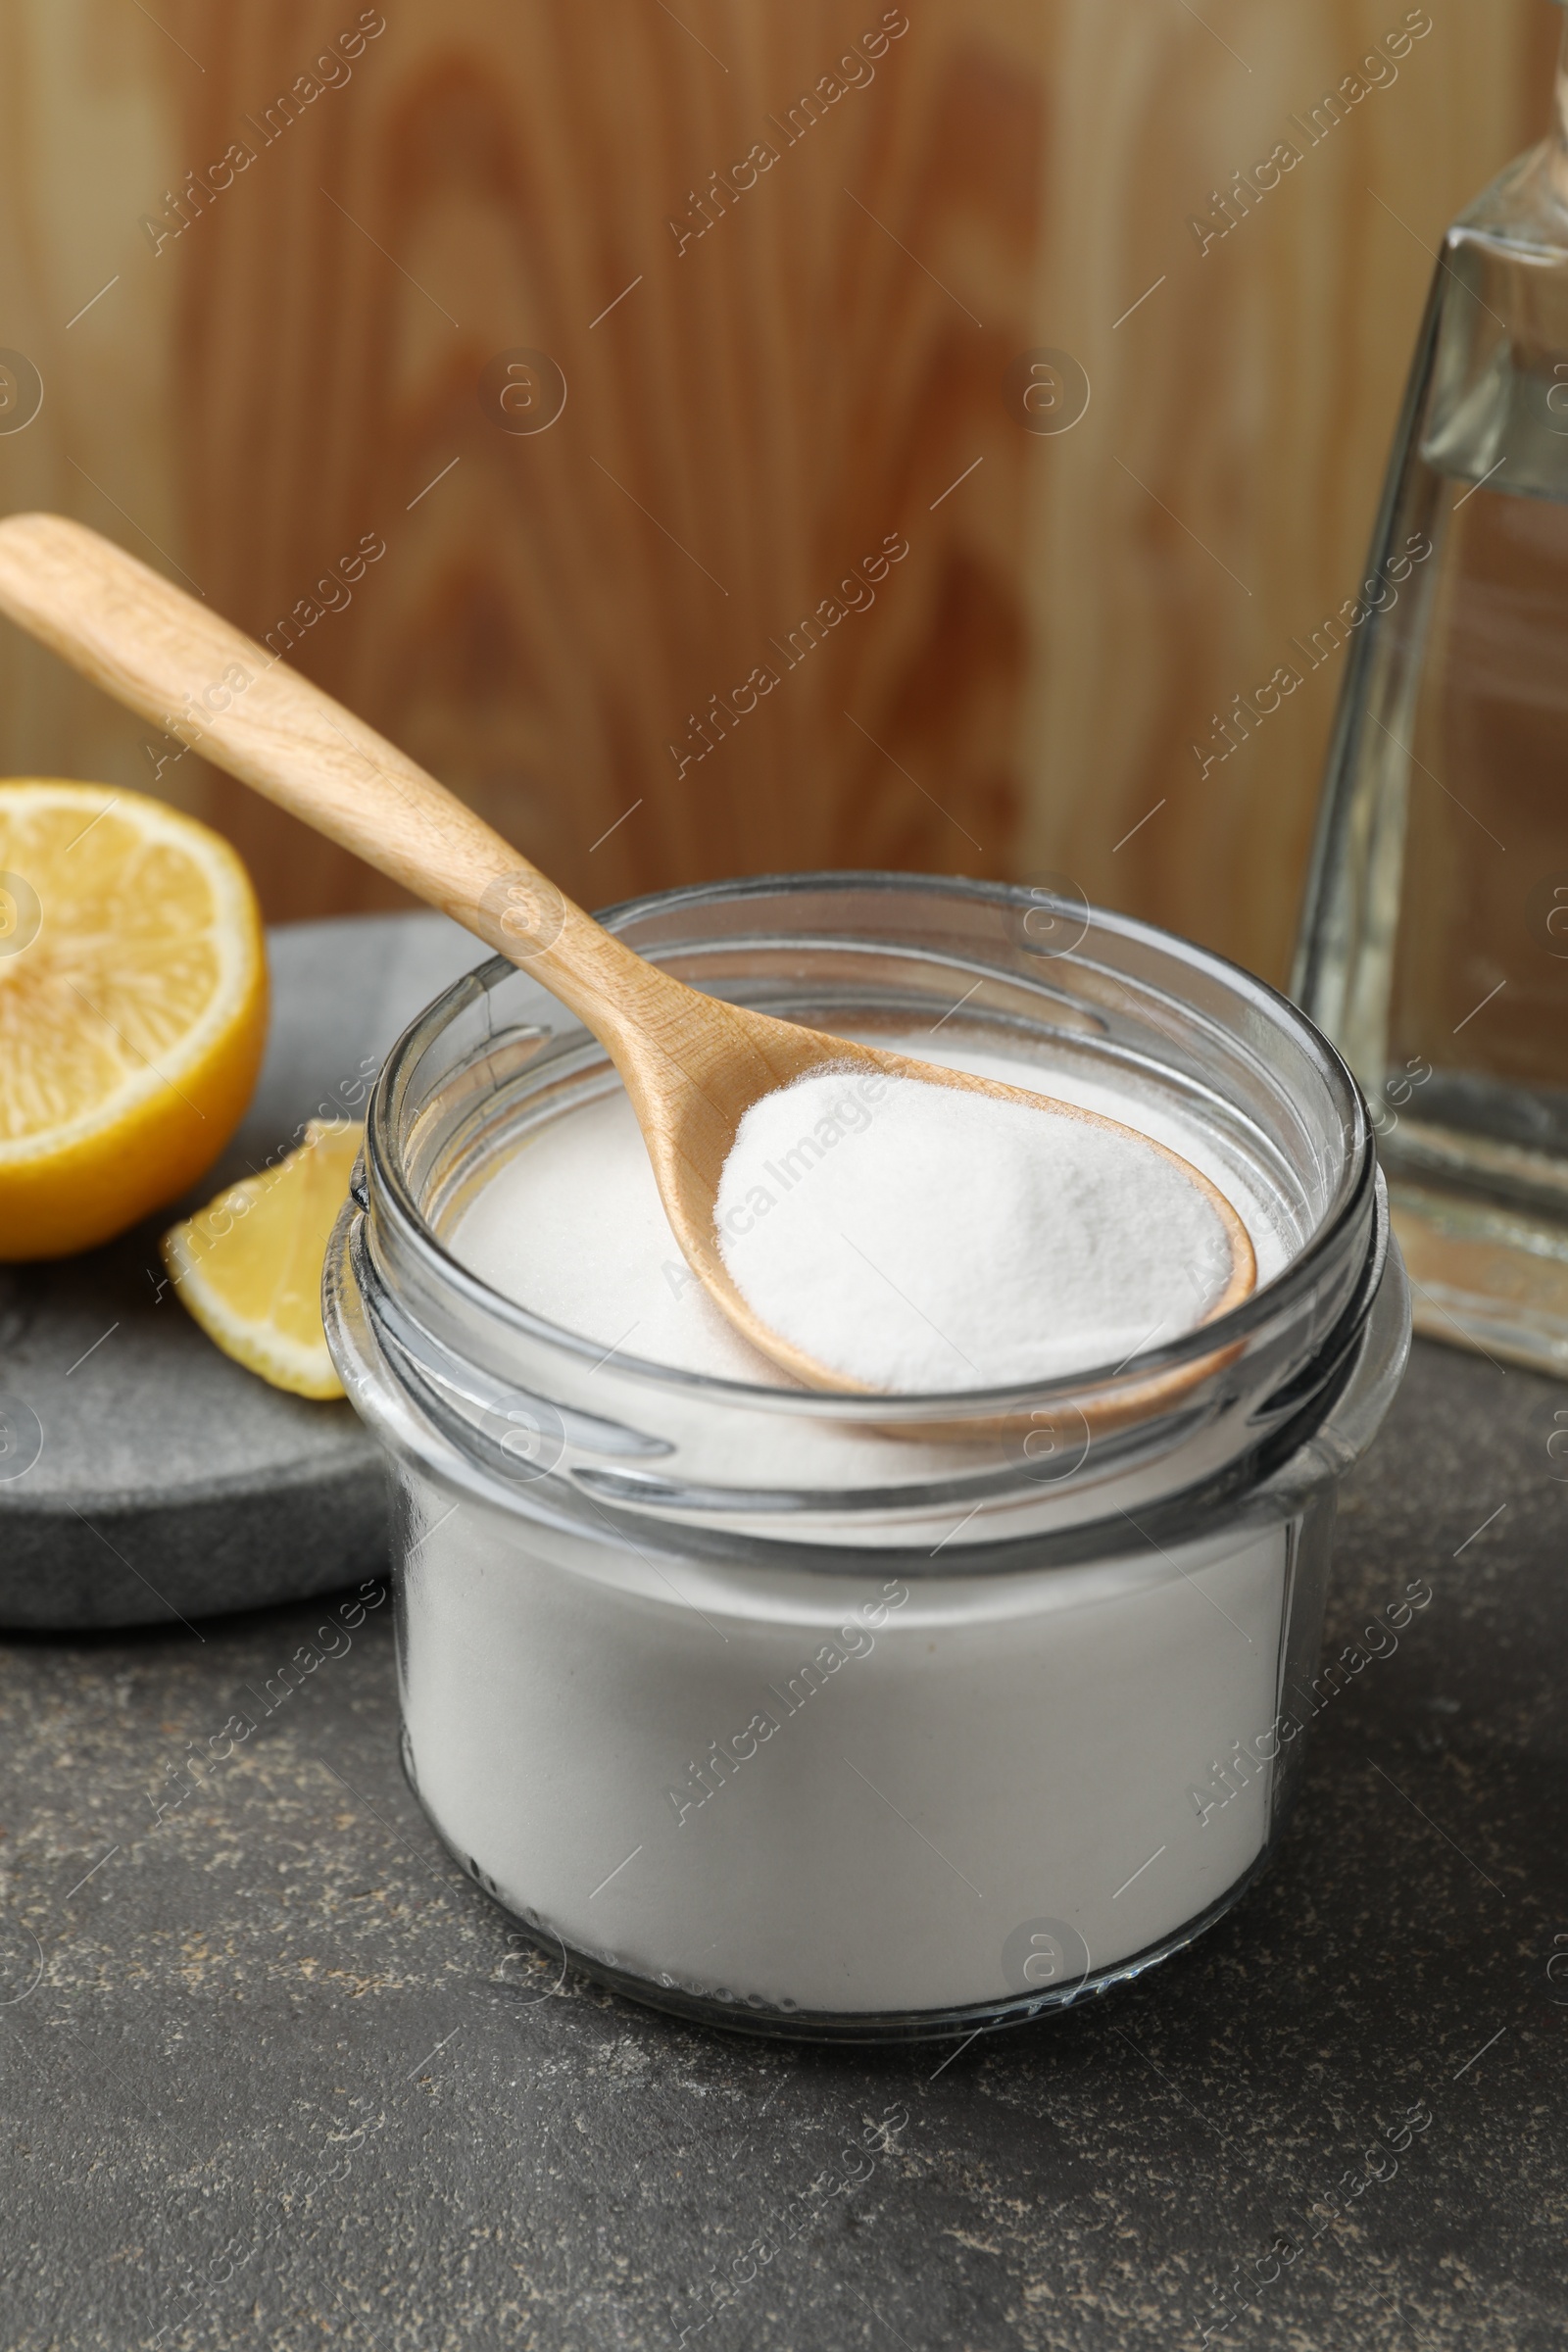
[(1434, 946), (868, 1718)]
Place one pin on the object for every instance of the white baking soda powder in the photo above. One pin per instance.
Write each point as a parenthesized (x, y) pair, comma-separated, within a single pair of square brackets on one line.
[(859, 1792), (924, 1238)]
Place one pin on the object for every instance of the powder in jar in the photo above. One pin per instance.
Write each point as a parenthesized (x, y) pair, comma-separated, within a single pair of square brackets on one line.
[(921, 1238), (834, 1787)]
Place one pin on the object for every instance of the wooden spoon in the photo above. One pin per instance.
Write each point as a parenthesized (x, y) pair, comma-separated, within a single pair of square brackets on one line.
[(692, 1064)]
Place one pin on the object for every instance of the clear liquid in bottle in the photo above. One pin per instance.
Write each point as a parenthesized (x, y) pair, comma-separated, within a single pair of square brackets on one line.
[(1435, 941)]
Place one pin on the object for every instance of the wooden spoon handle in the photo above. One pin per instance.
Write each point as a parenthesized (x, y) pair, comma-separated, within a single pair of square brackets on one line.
[(207, 684)]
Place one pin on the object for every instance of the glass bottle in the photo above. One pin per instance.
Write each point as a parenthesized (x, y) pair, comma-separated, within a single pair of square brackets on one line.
[(1434, 947)]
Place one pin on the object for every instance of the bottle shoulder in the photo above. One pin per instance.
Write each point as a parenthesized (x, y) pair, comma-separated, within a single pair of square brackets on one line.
[(1525, 209)]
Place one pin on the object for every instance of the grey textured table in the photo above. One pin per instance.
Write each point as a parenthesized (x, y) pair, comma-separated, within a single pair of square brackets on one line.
[(280, 2076)]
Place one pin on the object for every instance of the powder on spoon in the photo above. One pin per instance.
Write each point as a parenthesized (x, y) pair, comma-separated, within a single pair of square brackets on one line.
[(921, 1238)]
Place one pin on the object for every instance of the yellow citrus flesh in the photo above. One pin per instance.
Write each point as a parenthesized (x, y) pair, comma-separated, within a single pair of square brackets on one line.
[(133, 1008), (249, 1265)]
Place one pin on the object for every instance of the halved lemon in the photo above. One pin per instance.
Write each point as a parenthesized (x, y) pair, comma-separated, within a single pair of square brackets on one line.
[(133, 1008), (249, 1265)]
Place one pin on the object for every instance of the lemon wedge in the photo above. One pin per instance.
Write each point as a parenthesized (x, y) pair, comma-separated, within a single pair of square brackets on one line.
[(249, 1265), (133, 1008)]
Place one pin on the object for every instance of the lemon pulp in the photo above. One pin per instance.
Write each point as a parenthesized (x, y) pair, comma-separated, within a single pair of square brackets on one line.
[(249, 1265), (133, 1008)]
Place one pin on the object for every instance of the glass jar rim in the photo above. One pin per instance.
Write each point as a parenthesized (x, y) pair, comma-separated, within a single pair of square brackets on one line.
[(1279, 1292)]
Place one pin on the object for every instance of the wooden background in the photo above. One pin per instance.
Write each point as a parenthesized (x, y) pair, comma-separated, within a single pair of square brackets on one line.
[(754, 416)]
